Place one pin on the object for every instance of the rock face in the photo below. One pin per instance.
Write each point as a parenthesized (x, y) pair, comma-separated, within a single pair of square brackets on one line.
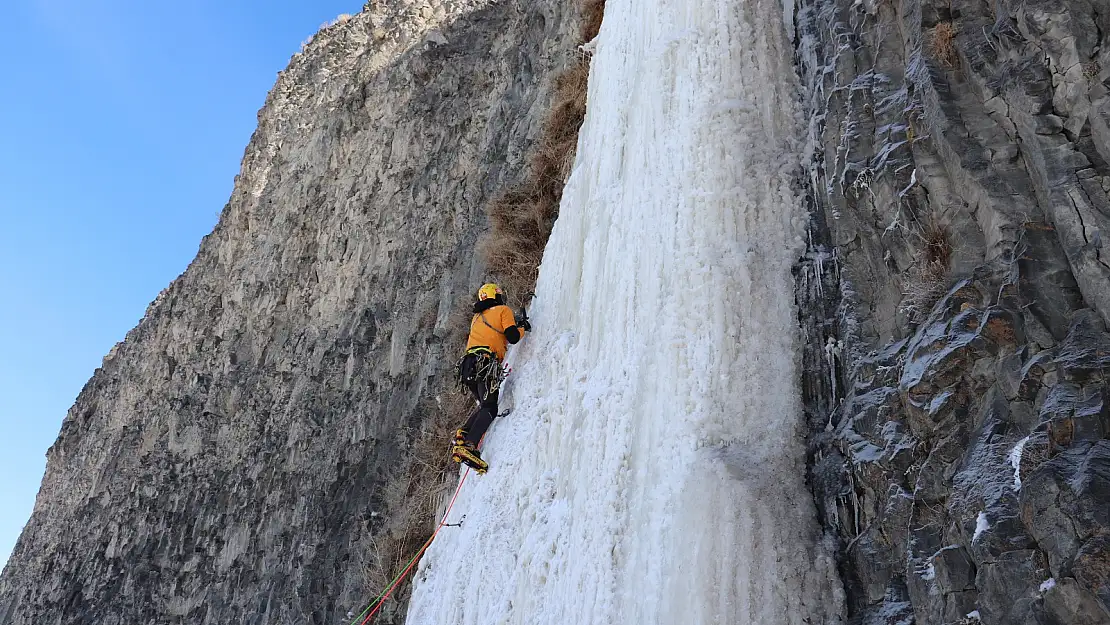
[(955, 301), (237, 457)]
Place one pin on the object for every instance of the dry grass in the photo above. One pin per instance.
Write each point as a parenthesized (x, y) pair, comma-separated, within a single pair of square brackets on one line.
[(522, 217), (592, 12), (520, 221), (942, 44), (1091, 70), (554, 157), (414, 498), (427, 472), (936, 243), (929, 277), (1001, 332)]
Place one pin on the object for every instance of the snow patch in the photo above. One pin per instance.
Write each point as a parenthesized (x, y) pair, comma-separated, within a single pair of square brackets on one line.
[(927, 572), (1015, 461), (981, 525)]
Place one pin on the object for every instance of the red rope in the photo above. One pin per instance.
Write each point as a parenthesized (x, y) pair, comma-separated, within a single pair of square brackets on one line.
[(405, 573)]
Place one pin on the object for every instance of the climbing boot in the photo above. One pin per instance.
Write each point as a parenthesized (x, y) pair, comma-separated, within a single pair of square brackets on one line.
[(468, 455)]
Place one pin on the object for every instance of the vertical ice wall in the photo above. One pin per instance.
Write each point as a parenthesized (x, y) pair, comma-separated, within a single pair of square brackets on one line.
[(652, 468)]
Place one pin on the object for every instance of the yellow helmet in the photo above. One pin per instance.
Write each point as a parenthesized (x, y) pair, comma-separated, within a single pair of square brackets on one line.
[(489, 291)]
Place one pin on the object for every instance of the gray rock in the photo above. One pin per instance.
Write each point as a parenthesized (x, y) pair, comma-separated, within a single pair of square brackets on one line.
[(889, 612), (954, 570), (1085, 350), (984, 151), (1008, 585), (1067, 602), (1070, 413), (238, 455), (1091, 567), (1064, 501)]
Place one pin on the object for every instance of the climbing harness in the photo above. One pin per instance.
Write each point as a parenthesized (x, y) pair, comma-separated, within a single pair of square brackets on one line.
[(484, 369)]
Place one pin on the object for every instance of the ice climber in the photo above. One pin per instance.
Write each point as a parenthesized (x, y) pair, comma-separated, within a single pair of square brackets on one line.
[(492, 329)]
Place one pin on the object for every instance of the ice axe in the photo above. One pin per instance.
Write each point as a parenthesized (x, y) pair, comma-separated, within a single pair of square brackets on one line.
[(524, 322)]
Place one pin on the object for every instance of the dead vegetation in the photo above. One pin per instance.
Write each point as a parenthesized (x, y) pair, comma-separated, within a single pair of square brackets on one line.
[(415, 497), (522, 217), (1091, 70), (929, 276), (592, 12), (415, 494), (1000, 331), (942, 45)]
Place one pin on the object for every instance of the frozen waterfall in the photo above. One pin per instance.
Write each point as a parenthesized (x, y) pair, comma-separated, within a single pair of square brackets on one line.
[(652, 469)]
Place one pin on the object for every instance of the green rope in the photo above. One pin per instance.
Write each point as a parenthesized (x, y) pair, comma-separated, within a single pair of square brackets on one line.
[(374, 607), (388, 587)]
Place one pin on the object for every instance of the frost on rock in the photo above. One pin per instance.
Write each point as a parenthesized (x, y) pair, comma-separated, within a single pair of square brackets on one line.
[(927, 572), (890, 612), (1015, 461), (651, 470)]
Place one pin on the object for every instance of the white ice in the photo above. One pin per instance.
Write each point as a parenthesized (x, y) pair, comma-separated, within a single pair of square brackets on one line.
[(1015, 461), (652, 469), (927, 572), (982, 524)]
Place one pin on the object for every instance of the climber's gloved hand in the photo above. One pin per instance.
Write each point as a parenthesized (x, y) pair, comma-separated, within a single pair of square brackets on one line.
[(524, 323)]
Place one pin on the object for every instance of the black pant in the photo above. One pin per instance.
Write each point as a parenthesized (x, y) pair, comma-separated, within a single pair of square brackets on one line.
[(476, 426), (480, 386)]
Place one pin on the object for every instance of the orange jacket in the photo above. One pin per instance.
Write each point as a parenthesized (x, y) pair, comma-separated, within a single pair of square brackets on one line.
[(493, 327)]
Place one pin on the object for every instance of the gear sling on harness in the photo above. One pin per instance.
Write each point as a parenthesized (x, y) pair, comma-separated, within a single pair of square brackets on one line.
[(479, 372)]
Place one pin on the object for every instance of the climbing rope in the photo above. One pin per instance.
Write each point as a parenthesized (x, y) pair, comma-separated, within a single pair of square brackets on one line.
[(377, 604)]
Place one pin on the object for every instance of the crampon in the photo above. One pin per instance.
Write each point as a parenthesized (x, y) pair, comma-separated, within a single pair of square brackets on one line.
[(469, 457)]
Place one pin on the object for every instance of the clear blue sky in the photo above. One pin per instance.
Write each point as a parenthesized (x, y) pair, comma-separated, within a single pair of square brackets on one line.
[(122, 124)]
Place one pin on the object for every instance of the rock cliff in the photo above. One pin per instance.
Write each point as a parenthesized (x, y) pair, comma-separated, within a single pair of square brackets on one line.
[(242, 454), (245, 454), (955, 302)]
